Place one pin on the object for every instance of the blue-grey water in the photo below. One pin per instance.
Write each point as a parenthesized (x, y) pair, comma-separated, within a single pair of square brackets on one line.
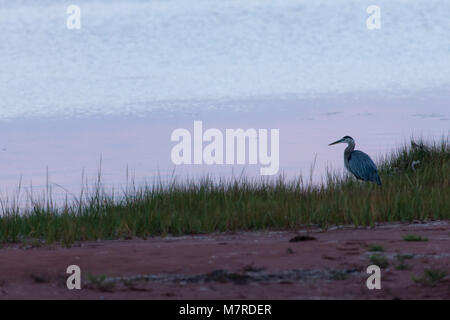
[(137, 70)]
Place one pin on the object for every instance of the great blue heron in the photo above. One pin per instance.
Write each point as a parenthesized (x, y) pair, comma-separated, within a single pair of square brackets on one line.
[(358, 163)]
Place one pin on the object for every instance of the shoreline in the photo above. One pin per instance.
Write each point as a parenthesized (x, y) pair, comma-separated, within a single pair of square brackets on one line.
[(242, 203)]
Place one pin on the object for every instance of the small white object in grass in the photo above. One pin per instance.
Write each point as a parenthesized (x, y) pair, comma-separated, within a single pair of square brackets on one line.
[(414, 163)]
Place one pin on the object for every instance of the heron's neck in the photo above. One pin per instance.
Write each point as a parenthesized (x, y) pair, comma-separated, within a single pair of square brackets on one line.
[(350, 147)]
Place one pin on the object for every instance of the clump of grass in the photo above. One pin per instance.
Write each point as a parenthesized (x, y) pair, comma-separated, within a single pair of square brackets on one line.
[(402, 265), (379, 260), (101, 282), (31, 244), (414, 237), (430, 277), (375, 248), (215, 205)]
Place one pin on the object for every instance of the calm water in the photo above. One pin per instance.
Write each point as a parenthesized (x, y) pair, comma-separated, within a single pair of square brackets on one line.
[(137, 70)]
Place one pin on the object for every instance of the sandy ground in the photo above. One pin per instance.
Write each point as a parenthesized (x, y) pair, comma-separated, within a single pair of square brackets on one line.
[(242, 265)]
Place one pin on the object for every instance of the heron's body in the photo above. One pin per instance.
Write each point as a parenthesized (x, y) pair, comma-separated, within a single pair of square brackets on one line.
[(358, 162)]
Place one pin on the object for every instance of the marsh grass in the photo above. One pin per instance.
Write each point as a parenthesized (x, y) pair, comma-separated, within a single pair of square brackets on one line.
[(430, 277), (192, 207), (373, 247), (414, 237), (401, 259), (101, 282), (379, 260), (403, 266)]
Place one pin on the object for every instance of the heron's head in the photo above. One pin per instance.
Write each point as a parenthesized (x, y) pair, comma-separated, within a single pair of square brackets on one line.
[(346, 139)]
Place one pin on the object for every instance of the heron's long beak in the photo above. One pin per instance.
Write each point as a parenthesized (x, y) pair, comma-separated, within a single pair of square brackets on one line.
[(338, 141)]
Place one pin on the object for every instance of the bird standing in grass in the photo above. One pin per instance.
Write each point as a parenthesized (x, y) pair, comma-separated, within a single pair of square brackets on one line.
[(358, 162)]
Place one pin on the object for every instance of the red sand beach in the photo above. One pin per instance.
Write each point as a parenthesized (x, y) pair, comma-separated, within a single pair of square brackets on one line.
[(242, 265)]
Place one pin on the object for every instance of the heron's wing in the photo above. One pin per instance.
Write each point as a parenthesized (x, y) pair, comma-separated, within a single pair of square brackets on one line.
[(362, 166)]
